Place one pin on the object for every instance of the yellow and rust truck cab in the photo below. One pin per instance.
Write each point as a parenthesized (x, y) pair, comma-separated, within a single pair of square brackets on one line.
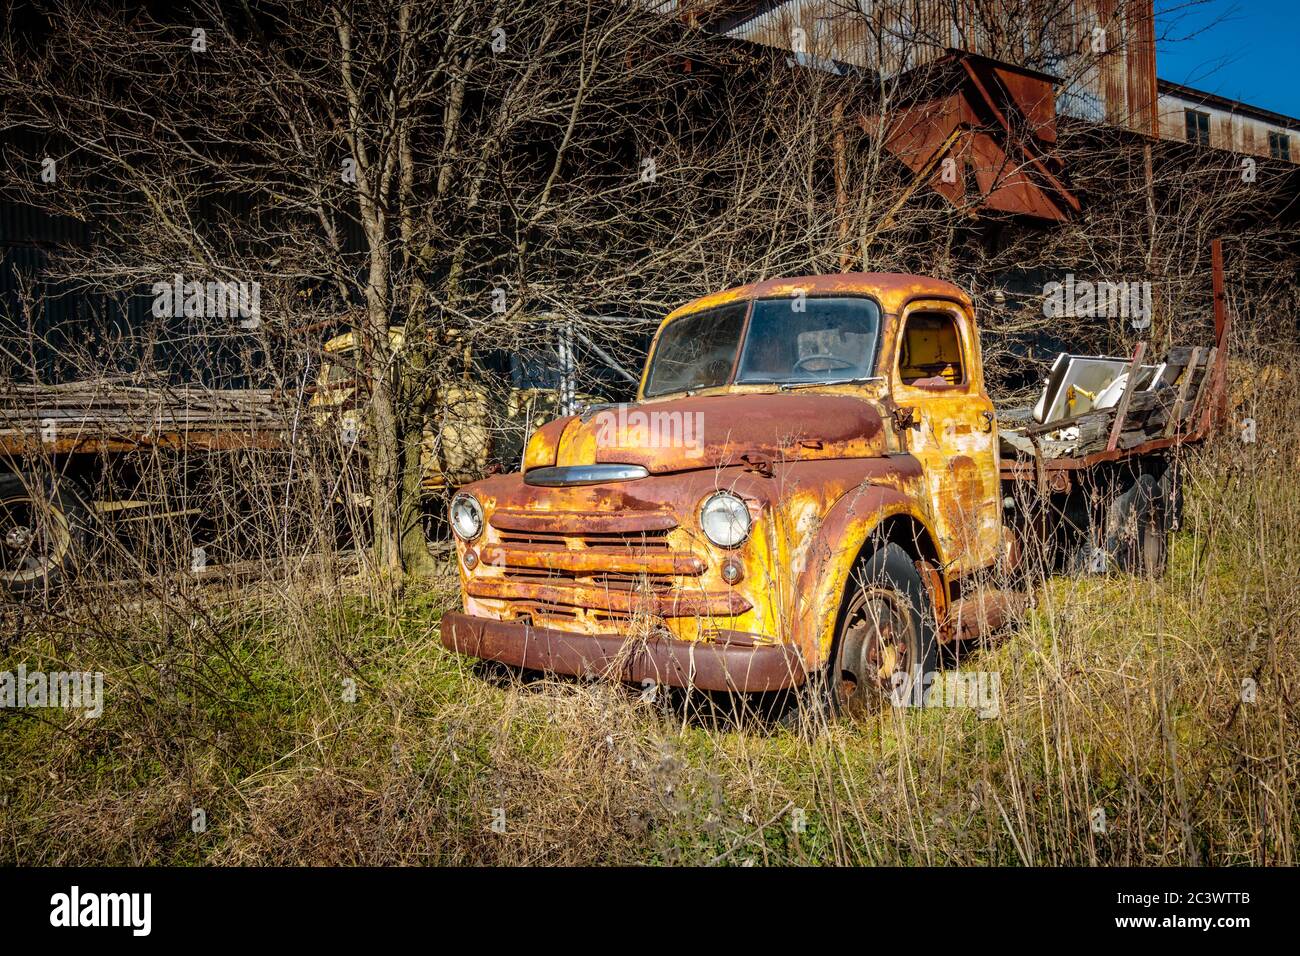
[(705, 535)]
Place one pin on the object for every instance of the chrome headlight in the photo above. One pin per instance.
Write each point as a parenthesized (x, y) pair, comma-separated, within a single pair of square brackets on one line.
[(466, 517), (725, 519)]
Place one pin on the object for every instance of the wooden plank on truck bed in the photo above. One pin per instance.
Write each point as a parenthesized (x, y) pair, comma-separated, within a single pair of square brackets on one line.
[(1121, 412), (1090, 416), (1095, 431), (1151, 425), (1179, 356), (1189, 372)]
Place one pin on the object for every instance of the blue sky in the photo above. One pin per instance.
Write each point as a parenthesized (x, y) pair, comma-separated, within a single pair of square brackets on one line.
[(1242, 49)]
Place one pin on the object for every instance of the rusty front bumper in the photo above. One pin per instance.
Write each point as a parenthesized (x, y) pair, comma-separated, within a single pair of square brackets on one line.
[(698, 664)]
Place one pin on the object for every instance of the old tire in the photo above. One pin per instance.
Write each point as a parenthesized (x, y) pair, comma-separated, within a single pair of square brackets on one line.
[(884, 643), (885, 579), (43, 533), (1169, 496), (1130, 534), (1137, 536)]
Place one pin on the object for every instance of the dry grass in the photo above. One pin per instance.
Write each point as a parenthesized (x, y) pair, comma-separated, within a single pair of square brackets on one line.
[(1117, 694)]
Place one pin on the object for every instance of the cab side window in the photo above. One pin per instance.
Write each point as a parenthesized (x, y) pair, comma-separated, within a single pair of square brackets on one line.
[(931, 353)]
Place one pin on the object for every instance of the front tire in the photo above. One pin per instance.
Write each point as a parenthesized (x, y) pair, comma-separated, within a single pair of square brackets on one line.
[(886, 641)]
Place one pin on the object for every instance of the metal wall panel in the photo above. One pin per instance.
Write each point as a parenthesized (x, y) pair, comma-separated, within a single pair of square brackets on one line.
[(891, 36), (1230, 129)]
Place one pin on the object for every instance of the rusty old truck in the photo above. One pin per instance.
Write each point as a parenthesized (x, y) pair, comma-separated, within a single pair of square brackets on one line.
[(814, 490)]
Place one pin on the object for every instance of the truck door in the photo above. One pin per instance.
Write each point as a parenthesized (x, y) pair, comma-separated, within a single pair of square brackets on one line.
[(937, 373)]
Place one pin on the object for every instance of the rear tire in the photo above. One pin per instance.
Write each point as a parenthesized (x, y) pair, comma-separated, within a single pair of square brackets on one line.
[(43, 534), (1130, 534), (1136, 535)]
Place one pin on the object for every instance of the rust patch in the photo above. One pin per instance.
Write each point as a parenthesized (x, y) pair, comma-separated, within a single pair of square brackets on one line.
[(796, 426), (893, 290)]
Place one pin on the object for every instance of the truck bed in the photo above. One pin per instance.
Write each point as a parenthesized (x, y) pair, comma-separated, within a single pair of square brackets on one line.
[(100, 416), (1144, 421)]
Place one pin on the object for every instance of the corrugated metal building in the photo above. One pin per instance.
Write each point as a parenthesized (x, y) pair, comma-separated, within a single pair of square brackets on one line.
[(1209, 120), (1102, 52)]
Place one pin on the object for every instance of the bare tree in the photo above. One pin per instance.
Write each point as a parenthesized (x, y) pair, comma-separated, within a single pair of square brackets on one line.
[(462, 173)]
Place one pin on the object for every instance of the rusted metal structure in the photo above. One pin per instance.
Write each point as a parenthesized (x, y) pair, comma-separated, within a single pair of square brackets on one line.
[(849, 434), (972, 98), (979, 133), (968, 85), (1103, 50)]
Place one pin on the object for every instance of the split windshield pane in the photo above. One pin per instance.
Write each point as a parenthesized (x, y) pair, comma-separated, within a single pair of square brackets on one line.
[(790, 341), (795, 340), (697, 351)]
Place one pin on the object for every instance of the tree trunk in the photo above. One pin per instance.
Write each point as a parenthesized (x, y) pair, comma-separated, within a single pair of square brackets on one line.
[(383, 438), (415, 555)]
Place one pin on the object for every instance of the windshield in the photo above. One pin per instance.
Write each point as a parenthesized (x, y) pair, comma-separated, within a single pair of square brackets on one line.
[(791, 340), (337, 374), (697, 351), (810, 340)]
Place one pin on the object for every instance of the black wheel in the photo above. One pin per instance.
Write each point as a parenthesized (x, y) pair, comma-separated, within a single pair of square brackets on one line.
[(1149, 556), (1136, 533), (885, 644), (1130, 534), (43, 532), (1169, 496)]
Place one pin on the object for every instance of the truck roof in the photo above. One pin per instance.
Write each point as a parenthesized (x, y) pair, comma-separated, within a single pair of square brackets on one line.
[(893, 289)]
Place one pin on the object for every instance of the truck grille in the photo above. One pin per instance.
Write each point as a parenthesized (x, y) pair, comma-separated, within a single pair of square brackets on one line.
[(625, 551), (608, 567), (630, 542)]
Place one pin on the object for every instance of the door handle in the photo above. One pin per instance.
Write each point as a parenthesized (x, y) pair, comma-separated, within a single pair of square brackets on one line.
[(988, 421), (905, 417)]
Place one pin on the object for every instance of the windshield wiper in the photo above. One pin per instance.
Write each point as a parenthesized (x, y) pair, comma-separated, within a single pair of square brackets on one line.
[(787, 386)]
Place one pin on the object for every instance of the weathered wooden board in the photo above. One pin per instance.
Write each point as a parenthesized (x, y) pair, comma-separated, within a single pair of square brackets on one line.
[(101, 416)]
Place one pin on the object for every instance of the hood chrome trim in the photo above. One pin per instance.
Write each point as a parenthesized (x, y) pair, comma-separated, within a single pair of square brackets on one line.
[(561, 475)]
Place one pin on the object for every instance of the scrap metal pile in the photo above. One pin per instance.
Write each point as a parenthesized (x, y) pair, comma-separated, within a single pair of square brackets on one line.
[(1096, 405)]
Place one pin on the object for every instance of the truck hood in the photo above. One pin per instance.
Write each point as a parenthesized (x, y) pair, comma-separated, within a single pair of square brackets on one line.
[(713, 431)]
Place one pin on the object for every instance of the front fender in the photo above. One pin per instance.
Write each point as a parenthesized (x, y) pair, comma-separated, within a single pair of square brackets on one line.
[(822, 567)]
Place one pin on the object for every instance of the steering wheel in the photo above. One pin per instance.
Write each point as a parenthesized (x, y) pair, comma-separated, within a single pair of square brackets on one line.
[(824, 356)]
